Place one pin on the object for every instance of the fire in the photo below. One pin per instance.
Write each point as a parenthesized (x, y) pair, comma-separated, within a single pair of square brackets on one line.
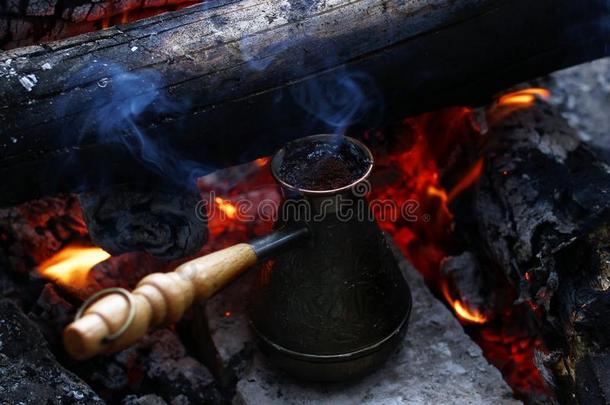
[(518, 100), (468, 180), (524, 98), (71, 265), (261, 162), (226, 207), (468, 315), (461, 310)]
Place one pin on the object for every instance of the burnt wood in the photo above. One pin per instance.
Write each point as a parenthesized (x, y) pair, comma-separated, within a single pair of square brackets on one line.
[(166, 224), (228, 81), (543, 212)]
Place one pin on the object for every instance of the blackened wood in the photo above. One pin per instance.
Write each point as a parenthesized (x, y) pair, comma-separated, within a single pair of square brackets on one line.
[(166, 224), (543, 210), (470, 281), (242, 77)]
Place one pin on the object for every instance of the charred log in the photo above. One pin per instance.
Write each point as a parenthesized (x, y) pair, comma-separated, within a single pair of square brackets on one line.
[(166, 224), (27, 22), (543, 210), (229, 81)]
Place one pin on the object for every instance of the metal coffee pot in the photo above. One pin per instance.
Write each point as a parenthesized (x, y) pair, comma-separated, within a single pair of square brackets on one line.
[(336, 305)]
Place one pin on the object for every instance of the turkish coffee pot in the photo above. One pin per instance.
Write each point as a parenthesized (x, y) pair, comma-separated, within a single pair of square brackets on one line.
[(330, 302)]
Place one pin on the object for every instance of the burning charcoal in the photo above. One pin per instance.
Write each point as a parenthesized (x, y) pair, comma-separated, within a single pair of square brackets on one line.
[(157, 367), (126, 270), (28, 371), (52, 313), (33, 232), (159, 364), (167, 225)]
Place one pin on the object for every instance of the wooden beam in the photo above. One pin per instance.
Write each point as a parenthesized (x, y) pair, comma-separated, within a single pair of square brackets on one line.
[(229, 81)]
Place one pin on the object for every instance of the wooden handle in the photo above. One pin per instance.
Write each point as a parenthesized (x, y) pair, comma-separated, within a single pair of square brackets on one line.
[(159, 299)]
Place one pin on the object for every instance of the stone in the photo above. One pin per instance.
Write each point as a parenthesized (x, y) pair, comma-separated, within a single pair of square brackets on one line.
[(582, 95), (29, 373), (150, 399), (436, 363)]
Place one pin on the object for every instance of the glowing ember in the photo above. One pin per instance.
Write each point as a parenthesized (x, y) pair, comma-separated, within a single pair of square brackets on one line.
[(71, 265), (428, 142), (226, 207)]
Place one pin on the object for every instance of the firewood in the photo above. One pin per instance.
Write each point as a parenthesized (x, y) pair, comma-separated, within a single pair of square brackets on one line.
[(229, 81), (166, 224), (543, 212)]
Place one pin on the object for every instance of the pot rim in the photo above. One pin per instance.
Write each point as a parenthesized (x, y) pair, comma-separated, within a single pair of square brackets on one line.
[(277, 157)]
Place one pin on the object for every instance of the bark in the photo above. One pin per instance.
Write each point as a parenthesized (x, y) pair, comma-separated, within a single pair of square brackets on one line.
[(182, 93), (544, 216)]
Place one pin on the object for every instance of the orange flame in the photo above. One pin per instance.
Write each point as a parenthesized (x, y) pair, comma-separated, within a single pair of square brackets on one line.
[(468, 314), (71, 265), (468, 180), (461, 310), (518, 100), (261, 162), (226, 207), (524, 98)]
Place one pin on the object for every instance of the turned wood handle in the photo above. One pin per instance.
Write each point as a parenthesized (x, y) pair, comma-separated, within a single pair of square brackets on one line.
[(159, 299)]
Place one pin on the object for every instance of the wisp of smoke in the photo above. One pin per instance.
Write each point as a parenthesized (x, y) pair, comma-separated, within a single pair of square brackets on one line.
[(339, 99), (122, 103)]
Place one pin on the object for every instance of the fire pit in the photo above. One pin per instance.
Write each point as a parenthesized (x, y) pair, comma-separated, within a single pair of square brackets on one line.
[(137, 184)]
